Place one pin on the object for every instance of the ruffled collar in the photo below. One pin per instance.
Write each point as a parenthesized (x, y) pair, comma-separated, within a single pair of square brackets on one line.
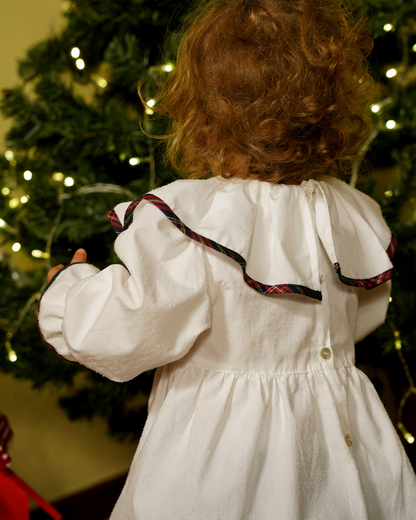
[(269, 229)]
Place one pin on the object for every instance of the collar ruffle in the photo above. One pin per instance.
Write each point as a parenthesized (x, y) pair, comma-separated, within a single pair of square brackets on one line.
[(269, 229)]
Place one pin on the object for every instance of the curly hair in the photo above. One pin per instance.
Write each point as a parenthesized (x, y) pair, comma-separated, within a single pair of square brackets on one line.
[(270, 89)]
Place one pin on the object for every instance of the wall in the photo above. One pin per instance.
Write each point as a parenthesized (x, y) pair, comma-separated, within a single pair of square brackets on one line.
[(55, 456)]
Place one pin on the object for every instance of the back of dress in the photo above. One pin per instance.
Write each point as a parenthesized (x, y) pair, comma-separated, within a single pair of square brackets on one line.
[(251, 296), (267, 417)]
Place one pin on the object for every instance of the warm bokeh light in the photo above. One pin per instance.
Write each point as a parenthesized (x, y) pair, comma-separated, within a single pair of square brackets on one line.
[(69, 181), (27, 175), (75, 52)]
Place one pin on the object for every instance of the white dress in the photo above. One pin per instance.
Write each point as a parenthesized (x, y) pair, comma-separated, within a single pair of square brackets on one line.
[(257, 411)]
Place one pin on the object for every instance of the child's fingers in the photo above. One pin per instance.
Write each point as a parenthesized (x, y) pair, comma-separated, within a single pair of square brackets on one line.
[(52, 272), (80, 256)]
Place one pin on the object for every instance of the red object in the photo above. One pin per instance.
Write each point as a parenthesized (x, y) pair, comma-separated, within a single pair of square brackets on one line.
[(14, 492)]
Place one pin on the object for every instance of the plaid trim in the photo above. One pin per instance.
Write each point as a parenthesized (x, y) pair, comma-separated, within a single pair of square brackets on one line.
[(177, 222), (368, 283), (115, 221), (392, 246)]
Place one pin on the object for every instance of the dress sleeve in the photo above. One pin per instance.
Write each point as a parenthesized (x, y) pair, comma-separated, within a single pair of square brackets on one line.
[(372, 309), (122, 321)]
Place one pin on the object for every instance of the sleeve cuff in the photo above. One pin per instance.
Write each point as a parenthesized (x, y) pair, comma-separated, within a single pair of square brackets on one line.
[(51, 305)]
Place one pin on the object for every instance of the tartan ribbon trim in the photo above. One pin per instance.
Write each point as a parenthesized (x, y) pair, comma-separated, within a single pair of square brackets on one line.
[(392, 246), (368, 283), (177, 222)]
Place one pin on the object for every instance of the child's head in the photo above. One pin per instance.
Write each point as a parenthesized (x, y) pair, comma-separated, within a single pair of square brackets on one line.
[(273, 89)]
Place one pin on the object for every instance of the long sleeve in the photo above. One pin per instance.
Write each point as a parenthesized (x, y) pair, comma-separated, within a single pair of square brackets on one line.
[(121, 322)]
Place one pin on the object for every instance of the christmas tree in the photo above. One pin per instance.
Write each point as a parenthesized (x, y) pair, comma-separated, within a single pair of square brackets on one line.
[(79, 145)]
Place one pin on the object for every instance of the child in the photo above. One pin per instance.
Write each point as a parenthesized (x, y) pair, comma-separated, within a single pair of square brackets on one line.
[(249, 289)]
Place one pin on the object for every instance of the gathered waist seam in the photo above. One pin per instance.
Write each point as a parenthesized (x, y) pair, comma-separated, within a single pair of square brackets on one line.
[(256, 374)]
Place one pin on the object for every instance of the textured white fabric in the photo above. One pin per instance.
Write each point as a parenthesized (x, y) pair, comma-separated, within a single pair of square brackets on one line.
[(247, 420)]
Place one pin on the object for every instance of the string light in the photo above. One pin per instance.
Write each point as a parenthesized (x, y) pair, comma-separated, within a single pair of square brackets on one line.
[(80, 64), (414, 47), (167, 68), (411, 390), (101, 82), (24, 199), (388, 27), (11, 354), (390, 299), (13, 203), (27, 175), (69, 181), (16, 247), (2, 223), (75, 52), (388, 193), (375, 109), (149, 111), (58, 176), (151, 103), (391, 124), (391, 73), (9, 155), (5, 191), (134, 161), (37, 253)]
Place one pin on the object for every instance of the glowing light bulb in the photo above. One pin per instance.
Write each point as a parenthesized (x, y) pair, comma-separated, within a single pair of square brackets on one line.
[(27, 175), (388, 27), (9, 155), (80, 64), (12, 356), (69, 181), (16, 247), (388, 193), (58, 176), (13, 203), (134, 161), (398, 344), (149, 111), (5, 191), (414, 47), (167, 68), (75, 52), (101, 82), (391, 124), (390, 299), (2, 222), (375, 109), (24, 199), (151, 103), (391, 73), (37, 253), (410, 439)]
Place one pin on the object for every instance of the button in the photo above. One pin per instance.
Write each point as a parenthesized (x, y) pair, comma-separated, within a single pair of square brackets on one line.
[(326, 353), (348, 439), (321, 278), (308, 195)]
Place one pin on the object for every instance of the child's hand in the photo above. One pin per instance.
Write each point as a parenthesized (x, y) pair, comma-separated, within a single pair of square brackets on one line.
[(80, 256)]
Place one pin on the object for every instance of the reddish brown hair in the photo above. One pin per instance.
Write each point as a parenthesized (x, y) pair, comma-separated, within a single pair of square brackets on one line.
[(275, 89)]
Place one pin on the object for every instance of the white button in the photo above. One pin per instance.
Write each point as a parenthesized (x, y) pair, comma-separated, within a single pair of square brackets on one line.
[(325, 353), (308, 195), (321, 278), (348, 439)]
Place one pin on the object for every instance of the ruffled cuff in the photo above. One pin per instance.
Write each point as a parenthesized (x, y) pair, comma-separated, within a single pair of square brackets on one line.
[(51, 305)]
